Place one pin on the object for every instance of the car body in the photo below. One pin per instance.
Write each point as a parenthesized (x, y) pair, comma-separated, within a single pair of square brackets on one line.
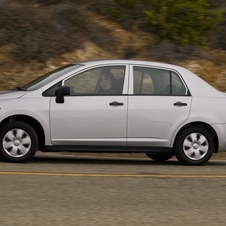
[(158, 109)]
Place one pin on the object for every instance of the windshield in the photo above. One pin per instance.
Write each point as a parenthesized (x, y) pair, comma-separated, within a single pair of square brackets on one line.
[(49, 77)]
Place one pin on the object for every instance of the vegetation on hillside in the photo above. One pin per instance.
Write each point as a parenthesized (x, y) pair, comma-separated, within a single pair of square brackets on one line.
[(44, 28), (185, 22), (36, 34), (39, 33)]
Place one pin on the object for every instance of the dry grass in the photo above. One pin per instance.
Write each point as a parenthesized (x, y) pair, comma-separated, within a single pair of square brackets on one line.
[(212, 70), (13, 74)]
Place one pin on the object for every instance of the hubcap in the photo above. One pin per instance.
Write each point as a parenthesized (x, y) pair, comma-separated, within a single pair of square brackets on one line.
[(195, 146), (16, 143)]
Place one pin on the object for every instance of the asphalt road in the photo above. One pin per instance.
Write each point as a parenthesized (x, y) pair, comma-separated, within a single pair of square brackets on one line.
[(56, 189)]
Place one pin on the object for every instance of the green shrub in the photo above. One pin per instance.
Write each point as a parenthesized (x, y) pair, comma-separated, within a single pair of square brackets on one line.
[(182, 21), (185, 22)]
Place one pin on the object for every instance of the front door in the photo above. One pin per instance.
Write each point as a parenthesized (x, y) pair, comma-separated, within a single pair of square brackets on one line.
[(89, 115)]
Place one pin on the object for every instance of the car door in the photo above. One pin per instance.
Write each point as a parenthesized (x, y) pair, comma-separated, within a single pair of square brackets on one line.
[(159, 103), (88, 116)]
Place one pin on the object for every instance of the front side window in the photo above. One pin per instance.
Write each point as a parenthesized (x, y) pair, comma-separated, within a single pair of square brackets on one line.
[(152, 81), (98, 81)]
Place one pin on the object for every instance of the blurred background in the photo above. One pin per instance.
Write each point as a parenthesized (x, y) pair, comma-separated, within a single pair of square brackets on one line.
[(37, 36)]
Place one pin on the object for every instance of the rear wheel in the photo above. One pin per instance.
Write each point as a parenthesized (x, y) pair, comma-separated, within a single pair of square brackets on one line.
[(160, 156), (18, 142), (194, 146)]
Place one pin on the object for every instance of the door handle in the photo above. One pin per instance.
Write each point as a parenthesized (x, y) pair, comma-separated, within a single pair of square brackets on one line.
[(180, 104), (116, 103)]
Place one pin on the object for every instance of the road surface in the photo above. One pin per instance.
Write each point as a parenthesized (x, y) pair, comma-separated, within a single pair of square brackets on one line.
[(63, 189)]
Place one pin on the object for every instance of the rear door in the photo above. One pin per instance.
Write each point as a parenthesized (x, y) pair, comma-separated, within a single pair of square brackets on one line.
[(158, 104)]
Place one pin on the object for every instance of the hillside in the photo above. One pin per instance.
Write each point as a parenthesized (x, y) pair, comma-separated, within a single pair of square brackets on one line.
[(37, 37)]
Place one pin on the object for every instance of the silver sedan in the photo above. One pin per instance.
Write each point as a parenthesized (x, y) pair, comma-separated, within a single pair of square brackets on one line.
[(115, 106)]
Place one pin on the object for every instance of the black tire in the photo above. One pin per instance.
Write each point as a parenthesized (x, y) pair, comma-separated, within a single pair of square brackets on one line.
[(194, 146), (18, 142), (160, 157)]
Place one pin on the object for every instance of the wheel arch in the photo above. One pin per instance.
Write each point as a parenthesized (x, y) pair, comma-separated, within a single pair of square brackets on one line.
[(30, 121), (202, 125)]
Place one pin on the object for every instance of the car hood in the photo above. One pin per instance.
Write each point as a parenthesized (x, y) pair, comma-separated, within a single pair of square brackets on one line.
[(11, 94)]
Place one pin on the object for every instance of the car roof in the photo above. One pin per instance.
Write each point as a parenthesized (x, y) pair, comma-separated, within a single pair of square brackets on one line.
[(122, 61)]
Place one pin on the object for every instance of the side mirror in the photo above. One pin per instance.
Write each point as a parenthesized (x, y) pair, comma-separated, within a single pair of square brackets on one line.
[(61, 92)]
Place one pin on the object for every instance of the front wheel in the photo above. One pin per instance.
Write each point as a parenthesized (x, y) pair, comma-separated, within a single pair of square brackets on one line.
[(18, 142), (194, 146)]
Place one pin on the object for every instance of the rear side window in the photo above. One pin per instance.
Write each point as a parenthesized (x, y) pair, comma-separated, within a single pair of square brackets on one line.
[(178, 88), (152, 81)]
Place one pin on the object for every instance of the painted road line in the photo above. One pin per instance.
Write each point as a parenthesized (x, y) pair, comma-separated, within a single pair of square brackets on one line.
[(115, 175)]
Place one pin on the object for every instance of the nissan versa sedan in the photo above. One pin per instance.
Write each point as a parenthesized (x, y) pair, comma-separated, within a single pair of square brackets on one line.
[(120, 106)]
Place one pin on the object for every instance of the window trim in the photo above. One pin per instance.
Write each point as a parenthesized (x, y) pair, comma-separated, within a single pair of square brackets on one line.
[(131, 84)]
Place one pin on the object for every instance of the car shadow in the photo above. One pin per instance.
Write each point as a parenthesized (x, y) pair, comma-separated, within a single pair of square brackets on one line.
[(76, 159), (113, 161), (99, 160)]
